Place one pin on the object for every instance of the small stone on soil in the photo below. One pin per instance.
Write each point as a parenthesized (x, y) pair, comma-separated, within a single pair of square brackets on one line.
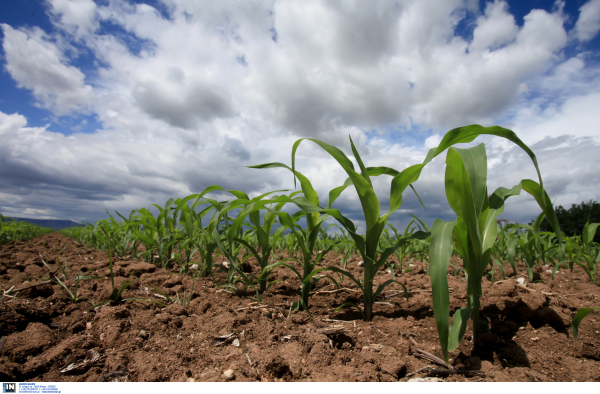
[(229, 374)]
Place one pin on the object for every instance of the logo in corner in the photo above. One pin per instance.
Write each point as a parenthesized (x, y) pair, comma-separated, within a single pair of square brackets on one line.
[(9, 387)]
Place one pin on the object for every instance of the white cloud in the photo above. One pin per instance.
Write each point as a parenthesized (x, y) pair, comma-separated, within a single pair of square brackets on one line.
[(494, 29), (433, 141), (75, 16), (35, 63), (578, 117), (588, 24)]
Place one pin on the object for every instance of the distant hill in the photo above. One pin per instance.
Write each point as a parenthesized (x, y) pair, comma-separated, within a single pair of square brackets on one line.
[(51, 223)]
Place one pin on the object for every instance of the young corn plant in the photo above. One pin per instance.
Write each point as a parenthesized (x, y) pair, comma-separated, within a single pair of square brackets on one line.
[(74, 296), (310, 257), (165, 235), (229, 238), (203, 238), (586, 252), (183, 300), (505, 247), (8, 293), (368, 246), (116, 294), (474, 231), (306, 239), (266, 242), (401, 252), (535, 245), (193, 238)]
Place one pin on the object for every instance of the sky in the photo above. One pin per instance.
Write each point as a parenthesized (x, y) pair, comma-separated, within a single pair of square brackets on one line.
[(117, 104)]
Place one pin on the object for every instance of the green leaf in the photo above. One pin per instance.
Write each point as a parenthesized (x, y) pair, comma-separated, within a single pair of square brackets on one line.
[(458, 328), (339, 271), (475, 162), (440, 252), (460, 197), (307, 188), (469, 133), (400, 183), (349, 305), (543, 200), (401, 242), (366, 195), (589, 232), (583, 312), (270, 267), (382, 286), (363, 169), (425, 226), (498, 264), (489, 226)]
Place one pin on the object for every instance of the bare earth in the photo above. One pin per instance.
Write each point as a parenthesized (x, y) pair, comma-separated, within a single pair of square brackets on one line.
[(222, 336)]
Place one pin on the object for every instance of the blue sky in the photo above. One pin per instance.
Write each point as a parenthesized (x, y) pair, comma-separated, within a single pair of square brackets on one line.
[(118, 104)]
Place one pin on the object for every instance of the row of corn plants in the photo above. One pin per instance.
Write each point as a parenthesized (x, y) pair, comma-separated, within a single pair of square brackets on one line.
[(13, 230), (266, 228)]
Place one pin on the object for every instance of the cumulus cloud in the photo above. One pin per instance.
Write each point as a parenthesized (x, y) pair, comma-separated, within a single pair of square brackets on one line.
[(35, 63), (111, 169), (75, 16), (494, 29), (588, 24), (182, 107)]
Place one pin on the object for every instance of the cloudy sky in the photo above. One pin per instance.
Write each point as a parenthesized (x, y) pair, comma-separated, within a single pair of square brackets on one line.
[(115, 104)]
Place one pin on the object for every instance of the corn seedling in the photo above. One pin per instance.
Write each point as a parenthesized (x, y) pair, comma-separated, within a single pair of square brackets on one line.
[(533, 245), (183, 300), (505, 247), (74, 296), (310, 258), (474, 231), (583, 312), (266, 243), (116, 294), (367, 246), (229, 238), (8, 293), (306, 239), (585, 251), (63, 267)]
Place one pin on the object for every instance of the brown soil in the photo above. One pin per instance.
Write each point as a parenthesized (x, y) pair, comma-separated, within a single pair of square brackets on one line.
[(43, 332)]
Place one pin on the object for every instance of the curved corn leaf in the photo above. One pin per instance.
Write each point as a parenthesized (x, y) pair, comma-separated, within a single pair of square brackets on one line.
[(583, 312), (469, 133), (543, 200)]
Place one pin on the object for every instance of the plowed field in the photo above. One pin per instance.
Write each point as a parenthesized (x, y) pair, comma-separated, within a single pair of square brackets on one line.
[(222, 336)]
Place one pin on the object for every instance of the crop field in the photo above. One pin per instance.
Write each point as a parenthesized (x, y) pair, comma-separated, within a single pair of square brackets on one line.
[(206, 288), (12, 230)]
